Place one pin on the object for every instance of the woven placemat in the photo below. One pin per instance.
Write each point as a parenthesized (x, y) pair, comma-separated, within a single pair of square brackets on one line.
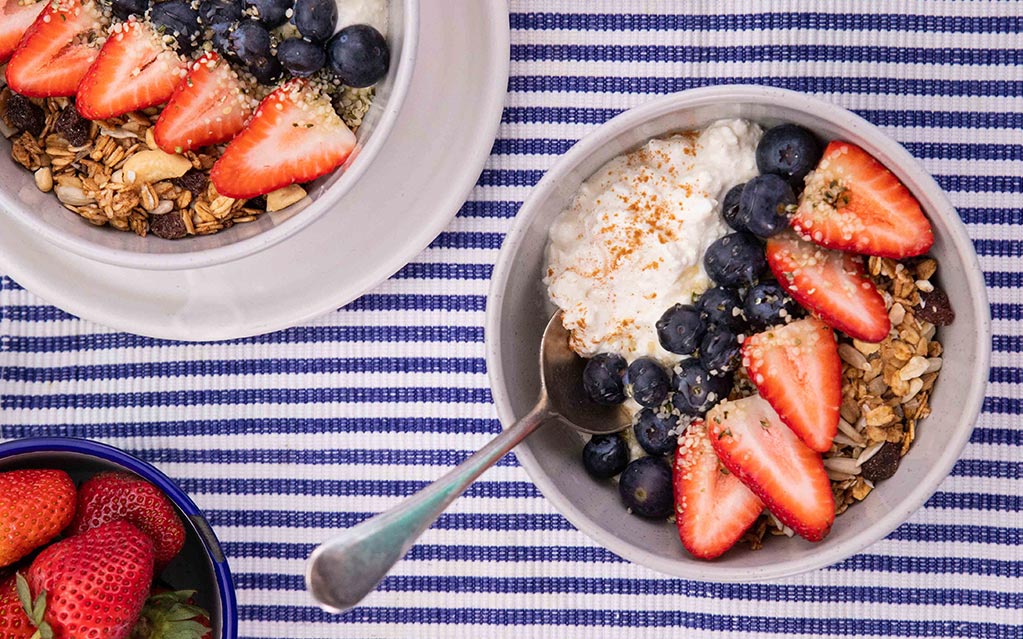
[(286, 437)]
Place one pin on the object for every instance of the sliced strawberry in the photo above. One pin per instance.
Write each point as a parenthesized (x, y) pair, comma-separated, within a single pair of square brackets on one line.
[(209, 107), (754, 444), (712, 507), (15, 19), (135, 69), (295, 136), (853, 203), (57, 50), (831, 284), (796, 368)]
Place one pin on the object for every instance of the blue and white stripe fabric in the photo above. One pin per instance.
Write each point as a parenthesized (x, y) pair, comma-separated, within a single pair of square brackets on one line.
[(284, 438)]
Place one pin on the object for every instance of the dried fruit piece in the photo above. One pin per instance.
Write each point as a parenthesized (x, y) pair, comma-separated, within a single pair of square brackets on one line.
[(194, 181), (935, 308), (883, 463), (23, 115), (72, 126), (169, 226)]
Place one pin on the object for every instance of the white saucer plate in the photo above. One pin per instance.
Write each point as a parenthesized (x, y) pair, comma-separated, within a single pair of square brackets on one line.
[(431, 161)]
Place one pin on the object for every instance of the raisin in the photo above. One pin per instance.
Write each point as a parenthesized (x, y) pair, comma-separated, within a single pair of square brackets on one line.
[(935, 308), (258, 203), (194, 180), (169, 226), (72, 126), (23, 115), (884, 463)]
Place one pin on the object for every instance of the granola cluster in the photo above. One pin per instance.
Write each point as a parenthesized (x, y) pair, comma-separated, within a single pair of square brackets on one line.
[(885, 387)]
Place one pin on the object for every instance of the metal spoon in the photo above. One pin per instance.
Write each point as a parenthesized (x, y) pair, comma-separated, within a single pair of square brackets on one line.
[(347, 568)]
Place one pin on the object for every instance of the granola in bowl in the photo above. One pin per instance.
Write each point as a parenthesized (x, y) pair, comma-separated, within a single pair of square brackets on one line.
[(182, 118), (793, 369)]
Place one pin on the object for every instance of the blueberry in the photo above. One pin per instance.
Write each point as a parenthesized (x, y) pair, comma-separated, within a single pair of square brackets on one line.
[(249, 44), (220, 15), (764, 205), (316, 19), (655, 431), (649, 382), (603, 379), (767, 304), (122, 9), (646, 488), (680, 329), (177, 18), (358, 55), (719, 351), (605, 456), (730, 208), (720, 306), (301, 58), (272, 13), (696, 390), (790, 151), (221, 40), (736, 259)]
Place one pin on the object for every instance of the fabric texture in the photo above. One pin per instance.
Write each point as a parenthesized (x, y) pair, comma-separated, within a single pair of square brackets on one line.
[(285, 438)]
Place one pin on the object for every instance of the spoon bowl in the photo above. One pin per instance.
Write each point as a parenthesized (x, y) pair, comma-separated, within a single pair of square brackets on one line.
[(342, 571)]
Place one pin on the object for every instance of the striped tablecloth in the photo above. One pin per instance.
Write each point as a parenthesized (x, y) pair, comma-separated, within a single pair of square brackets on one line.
[(287, 437)]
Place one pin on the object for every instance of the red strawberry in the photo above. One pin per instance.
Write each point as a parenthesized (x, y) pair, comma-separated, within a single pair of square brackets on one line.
[(208, 107), (15, 19), (831, 284), (753, 443), (115, 496), (796, 368), (172, 614), (14, 622), (57, 49), (95, 583), (35, 505), (295, 136), (135, 69), (853, 203), (712, 507)]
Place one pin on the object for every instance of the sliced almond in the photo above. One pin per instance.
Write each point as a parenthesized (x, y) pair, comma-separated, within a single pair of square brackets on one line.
[(285, 197)]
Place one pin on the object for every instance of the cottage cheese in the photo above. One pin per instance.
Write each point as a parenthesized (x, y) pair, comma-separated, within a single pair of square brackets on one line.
[(632, 242), (371, 12)]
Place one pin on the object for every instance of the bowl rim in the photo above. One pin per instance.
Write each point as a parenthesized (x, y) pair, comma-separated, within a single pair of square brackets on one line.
[(761, 95), (245, 247), (106, 452)]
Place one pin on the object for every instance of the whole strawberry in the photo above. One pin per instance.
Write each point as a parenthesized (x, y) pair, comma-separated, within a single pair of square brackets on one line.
[(35, 505), (95, 583), (14, 623), (110, 497)]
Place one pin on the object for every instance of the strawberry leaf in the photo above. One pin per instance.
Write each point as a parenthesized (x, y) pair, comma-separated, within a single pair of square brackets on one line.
[(170, 615), (39, 609), (24, 594)]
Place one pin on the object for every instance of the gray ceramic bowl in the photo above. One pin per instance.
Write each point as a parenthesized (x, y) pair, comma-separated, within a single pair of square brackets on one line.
[(518, 310), (44, 214)]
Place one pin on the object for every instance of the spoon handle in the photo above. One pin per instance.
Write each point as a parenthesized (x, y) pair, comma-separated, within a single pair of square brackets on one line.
[(348, 567)]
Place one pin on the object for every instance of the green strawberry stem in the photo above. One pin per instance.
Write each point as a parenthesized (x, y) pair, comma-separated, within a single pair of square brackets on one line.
[(35, 610), (170, 615)]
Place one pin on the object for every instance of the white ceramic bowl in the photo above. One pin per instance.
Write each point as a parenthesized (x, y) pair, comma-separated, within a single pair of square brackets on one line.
[(44, 215), (518, 310)]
